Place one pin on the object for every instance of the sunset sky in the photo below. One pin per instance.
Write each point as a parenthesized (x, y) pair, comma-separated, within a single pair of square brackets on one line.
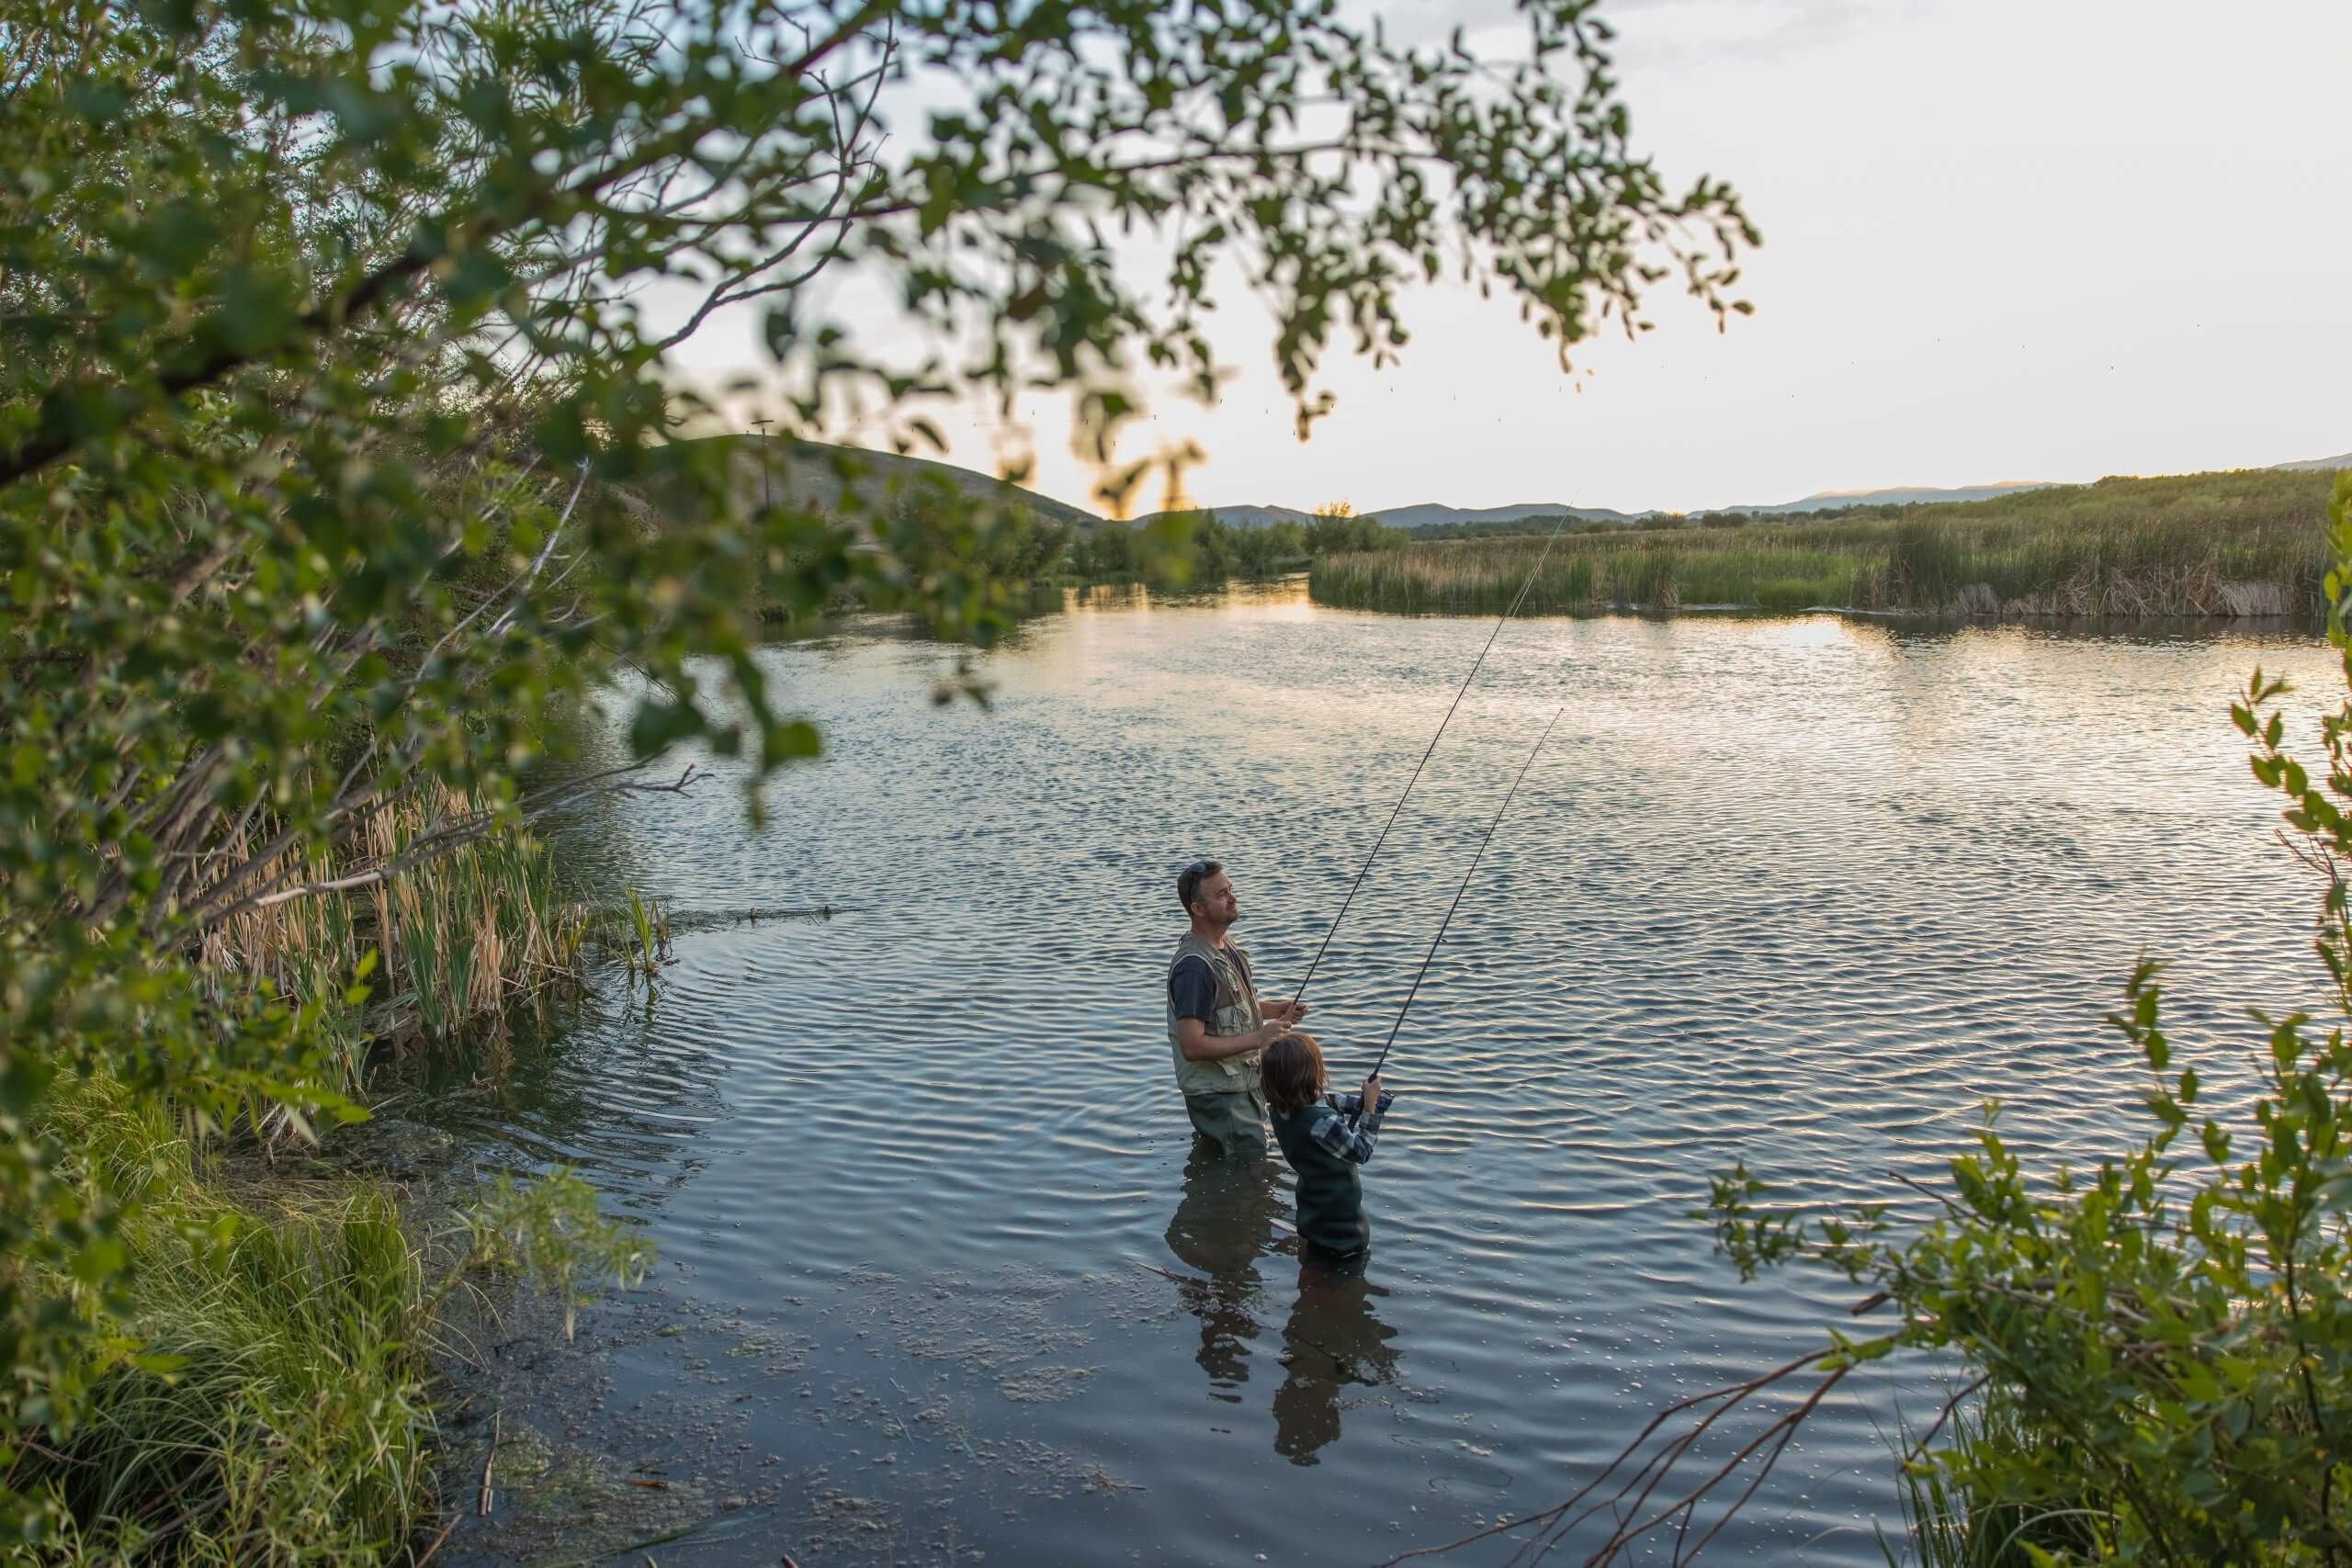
[(2004, 239)]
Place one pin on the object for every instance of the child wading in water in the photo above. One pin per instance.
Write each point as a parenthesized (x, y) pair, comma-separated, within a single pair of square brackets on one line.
[(1325, 1138)]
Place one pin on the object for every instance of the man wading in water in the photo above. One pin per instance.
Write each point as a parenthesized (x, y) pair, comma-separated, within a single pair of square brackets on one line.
[(1216, 1024)]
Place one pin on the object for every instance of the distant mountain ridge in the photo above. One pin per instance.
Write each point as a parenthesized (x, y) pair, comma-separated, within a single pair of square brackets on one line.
[(1428, 513), (806, 470), (1432, 514), (1829, 499)]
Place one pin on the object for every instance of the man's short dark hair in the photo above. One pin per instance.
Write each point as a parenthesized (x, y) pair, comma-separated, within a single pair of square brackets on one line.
[(1189, 880)]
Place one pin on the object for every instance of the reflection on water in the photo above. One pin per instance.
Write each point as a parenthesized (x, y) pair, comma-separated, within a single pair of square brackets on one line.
[(1231, 1226), (1334, 1340), (940, 1277), (1225, 1224)]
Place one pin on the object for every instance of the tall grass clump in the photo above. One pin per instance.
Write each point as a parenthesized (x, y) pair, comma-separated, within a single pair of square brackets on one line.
[(2201, 545), (1957, 1517), (268, 1402), (644, 939), (451, 944), (267, 1398), (467, 936)]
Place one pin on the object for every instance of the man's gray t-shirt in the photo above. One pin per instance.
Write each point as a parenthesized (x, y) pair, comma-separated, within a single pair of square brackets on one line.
[(1191, 989)]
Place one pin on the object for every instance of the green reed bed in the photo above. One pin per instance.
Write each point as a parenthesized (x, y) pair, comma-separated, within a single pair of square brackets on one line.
[(456, 943), (2234, 544), (1662, 570)]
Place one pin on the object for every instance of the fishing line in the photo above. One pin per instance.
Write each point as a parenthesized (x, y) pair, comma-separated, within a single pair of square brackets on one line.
[(1520, 599), (1466, 887)]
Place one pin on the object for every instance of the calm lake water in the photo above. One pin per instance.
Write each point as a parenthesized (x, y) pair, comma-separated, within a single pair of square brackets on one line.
[(1806, 891)]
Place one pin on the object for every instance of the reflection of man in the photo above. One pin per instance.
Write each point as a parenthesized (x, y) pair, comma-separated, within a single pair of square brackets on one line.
[(1216, 1023), (1223, 1226), (1332, 1339)]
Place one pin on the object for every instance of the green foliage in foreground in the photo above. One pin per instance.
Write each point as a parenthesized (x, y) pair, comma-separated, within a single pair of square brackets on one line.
[(268, 1399), (2167, 1337), (2198, 545), (331, 408)]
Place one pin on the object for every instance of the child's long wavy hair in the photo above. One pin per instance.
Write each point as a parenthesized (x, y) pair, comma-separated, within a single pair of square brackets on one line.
[(1292, 1071)]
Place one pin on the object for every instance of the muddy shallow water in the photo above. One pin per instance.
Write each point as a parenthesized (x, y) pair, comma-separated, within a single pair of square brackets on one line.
[(939, 1280)]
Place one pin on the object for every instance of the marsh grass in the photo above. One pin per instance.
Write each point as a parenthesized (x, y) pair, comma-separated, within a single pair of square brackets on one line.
[(268, 1399), (274, 1409), (1948, 1524), (1651, 571), (465, 938), (263, 1397), (457, 942), (2223, 544)]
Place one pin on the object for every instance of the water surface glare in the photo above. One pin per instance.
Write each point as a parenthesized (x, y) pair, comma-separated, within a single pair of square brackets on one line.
[(938, 1281)]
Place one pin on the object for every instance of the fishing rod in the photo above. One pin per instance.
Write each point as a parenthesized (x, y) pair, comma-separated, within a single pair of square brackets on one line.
[(1516, 600), (1465, 888)]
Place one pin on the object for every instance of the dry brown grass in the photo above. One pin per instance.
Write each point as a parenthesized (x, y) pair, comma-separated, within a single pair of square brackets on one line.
[(459, 942)]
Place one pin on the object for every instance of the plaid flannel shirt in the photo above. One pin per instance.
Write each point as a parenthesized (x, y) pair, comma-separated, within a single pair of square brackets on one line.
[(1348, 1132)]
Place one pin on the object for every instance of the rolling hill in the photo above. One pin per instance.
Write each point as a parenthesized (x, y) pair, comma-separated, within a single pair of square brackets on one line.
[(1829, 499), (1242, 516), (1430, 513), (806, 471)]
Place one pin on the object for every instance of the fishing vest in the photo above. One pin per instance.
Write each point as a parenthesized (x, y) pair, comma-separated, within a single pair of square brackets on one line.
[(1236, 1012), (1330, 1192)]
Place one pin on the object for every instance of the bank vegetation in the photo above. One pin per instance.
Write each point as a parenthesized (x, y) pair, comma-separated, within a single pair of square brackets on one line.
[(2218, 545)]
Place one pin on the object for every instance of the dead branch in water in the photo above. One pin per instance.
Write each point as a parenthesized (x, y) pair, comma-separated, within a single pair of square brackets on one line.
[(1629, 1508), (481, 1508)]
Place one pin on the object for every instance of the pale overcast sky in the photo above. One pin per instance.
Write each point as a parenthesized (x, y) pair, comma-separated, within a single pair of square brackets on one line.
[(2004, 239)]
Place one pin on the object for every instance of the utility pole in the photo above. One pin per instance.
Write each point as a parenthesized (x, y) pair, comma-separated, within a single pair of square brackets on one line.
[(767, 470)]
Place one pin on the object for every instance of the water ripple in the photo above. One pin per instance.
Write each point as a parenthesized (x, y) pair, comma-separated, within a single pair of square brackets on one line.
[(1800, 892)]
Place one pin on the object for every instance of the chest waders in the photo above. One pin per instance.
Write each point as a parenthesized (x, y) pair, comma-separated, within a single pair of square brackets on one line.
[(1222, 1097)]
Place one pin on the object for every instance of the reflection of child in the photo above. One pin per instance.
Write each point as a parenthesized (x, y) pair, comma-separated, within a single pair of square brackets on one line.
[(1334, 1338), (1325, 1138)]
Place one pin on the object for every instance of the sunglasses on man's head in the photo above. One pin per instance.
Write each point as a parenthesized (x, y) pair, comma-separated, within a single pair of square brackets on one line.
[(1199, 868)]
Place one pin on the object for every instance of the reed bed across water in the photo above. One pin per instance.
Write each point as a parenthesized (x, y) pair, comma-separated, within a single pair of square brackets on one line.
[(2212, 545)]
